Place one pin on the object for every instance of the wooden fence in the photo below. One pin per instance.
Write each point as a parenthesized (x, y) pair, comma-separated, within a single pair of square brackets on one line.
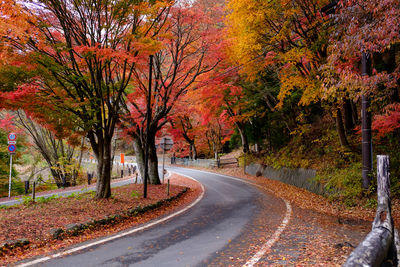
[(381, 246)]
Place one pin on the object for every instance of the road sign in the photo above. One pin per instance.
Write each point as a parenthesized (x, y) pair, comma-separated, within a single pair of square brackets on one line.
[(12, 148), (166, 143), (12, 142), (12, 137)]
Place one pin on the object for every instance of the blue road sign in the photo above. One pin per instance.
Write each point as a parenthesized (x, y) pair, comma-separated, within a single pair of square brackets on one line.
[(12, 148)]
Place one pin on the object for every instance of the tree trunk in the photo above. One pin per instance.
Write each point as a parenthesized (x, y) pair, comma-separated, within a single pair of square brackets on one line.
[(194, 151), (340, 129), (153, 160), (354, 112), (139, 153), (190, 151), (243, 137), (348, 116), (153, 177), (103, 186)]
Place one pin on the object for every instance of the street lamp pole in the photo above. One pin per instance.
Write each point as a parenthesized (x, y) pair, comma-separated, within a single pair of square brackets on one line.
[(163, 156), (366, 127), (148, 118)]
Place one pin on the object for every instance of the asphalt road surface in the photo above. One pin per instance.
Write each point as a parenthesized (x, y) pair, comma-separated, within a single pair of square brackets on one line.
[(223, 226)]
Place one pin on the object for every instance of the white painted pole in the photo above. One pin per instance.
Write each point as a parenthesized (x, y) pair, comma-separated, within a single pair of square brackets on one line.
[(9, 181)]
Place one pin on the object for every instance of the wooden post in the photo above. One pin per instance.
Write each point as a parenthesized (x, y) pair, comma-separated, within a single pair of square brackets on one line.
[(33, 191), (383, 215), (378, 247), (244, 163), (168, 188)]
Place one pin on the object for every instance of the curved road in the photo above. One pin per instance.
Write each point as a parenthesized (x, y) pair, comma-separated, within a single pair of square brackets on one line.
[(226, 227)]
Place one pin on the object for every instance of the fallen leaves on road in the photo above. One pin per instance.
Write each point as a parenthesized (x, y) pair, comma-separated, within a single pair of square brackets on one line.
[(35, 221), (319, 232)]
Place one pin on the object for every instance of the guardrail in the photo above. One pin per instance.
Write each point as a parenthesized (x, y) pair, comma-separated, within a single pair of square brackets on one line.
[(223, 162), (381, 246)]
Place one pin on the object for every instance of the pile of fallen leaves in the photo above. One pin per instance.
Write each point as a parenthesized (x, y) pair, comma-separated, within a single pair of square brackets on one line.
[(35, 221)]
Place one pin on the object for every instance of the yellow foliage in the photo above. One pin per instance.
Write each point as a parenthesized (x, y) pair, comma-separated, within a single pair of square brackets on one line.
[(257, 29)]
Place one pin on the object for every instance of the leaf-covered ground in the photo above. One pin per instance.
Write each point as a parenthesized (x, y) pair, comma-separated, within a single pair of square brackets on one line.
[(320, 233), (35, 221)]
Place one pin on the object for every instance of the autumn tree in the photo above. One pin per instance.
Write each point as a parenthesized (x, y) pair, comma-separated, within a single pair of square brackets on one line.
[(185, 123), (55, 144), (291, 36), (366, 33), (84, 56), (62, 155), (188, 40)]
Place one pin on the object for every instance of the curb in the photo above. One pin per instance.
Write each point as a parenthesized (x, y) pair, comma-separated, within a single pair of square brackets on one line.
[(76, 229)]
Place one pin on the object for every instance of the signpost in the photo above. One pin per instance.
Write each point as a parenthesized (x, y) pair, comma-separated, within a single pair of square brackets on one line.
[(12, 148), (165, 144)]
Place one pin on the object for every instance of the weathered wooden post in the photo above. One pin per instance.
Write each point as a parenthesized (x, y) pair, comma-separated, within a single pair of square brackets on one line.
[(379, 246), (33, 191), (168, 188)]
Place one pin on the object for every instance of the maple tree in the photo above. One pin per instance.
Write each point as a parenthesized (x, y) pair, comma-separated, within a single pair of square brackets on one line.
[(83, 56), (189, 41), (185, 127), (356, 32), (55, 143)]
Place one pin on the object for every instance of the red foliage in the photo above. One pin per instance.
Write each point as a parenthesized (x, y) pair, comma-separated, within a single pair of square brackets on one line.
[(388, 122)]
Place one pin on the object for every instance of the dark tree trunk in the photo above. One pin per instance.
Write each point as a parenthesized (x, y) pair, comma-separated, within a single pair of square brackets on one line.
[(153, 177), (103, 156), (354, 112), (348, 116), (340, 129), (153, 160), (190, 151)]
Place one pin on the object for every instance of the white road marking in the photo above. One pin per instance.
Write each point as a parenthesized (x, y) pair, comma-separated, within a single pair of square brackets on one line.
[(60, 254), (253, 260), (275, 237)]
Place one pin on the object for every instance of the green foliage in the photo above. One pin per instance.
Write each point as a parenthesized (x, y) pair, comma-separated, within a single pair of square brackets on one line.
[(26, 200), (135, 194), (389, 146), (247, 159), (43, 200), (344, 184), (8, 207)]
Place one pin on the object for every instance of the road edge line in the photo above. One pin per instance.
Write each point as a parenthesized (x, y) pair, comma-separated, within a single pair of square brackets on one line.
[(275, 237), (107, 239)]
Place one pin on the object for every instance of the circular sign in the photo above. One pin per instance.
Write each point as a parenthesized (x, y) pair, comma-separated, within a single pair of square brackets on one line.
[(12, 136), (12, 148)]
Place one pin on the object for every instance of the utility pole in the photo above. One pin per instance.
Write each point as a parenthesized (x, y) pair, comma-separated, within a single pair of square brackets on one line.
[(366, 126), (148, 118)]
